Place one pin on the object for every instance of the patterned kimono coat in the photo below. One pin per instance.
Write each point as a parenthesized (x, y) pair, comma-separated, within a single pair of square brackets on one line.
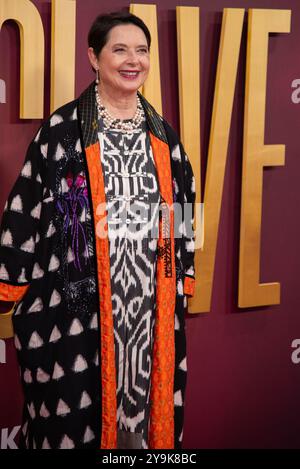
[(55, 266)]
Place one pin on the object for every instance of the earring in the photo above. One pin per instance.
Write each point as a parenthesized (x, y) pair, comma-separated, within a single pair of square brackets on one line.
[(97, 76)]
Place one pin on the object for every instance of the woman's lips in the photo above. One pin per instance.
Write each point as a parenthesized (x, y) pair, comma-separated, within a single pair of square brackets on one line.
[(129, 75)]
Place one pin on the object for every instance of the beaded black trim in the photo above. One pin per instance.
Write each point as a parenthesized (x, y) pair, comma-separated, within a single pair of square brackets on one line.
[(166, 250), (88, 116)]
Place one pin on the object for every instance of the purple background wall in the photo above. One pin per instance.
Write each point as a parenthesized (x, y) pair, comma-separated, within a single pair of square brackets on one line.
[(243, 387)]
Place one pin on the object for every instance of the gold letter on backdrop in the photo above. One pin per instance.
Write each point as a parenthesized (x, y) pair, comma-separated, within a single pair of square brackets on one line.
[(188, 31), (26, 15), (188, 38), (152, 88), (63, 40), (6, 326), (232, 25), (256, 155)]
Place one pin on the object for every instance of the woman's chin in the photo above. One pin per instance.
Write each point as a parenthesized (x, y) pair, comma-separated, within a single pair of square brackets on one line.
[(132, 86)]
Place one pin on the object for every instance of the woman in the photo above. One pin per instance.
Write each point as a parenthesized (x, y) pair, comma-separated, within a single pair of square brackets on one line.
[(90, 258)]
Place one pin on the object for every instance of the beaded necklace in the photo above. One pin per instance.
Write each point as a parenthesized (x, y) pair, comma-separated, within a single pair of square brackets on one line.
[(120, 124)]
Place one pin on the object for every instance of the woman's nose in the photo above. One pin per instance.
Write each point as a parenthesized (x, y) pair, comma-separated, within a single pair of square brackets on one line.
[(132, 57)]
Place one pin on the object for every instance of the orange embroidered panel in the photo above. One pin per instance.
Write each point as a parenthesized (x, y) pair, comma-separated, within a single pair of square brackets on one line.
[(189, 286), (11, 292), (161, 434), (108, 367)]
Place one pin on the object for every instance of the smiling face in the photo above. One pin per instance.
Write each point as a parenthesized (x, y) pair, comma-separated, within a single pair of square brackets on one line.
[(124, 60)]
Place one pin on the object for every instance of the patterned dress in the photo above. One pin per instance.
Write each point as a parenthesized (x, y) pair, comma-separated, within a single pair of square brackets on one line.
[(84, 306), (132, 195)]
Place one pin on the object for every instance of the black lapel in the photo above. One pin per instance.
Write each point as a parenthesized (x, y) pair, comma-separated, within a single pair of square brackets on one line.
[(88, 116), (154, 120)]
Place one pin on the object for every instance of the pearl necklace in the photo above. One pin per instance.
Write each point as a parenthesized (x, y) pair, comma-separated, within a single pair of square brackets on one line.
[(113, 123)]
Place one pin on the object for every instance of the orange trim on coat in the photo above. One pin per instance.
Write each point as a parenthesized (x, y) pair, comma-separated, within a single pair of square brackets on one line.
[(108, 367), (161, 432), (12, 292), (189, 286)]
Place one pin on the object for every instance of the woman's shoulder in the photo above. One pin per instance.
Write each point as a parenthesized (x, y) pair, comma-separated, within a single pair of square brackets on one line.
[(158, 124), (65, 114), (171, 132)]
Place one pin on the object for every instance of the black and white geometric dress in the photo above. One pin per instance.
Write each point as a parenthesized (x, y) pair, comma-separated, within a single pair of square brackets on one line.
[(132, 201)]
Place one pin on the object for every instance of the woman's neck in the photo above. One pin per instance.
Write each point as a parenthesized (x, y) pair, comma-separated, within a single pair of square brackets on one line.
[(118, 105)]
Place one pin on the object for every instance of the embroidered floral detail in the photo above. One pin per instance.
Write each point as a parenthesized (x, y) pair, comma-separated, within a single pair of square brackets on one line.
[(71, 203)]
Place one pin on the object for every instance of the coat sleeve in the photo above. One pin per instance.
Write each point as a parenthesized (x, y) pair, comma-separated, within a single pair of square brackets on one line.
[(188, 231), (19, 226)]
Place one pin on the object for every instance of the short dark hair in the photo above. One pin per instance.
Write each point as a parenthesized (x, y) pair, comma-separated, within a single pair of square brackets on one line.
[(98, 34)]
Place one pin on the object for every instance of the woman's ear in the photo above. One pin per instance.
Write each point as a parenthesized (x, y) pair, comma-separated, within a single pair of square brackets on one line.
[(93, 59)]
